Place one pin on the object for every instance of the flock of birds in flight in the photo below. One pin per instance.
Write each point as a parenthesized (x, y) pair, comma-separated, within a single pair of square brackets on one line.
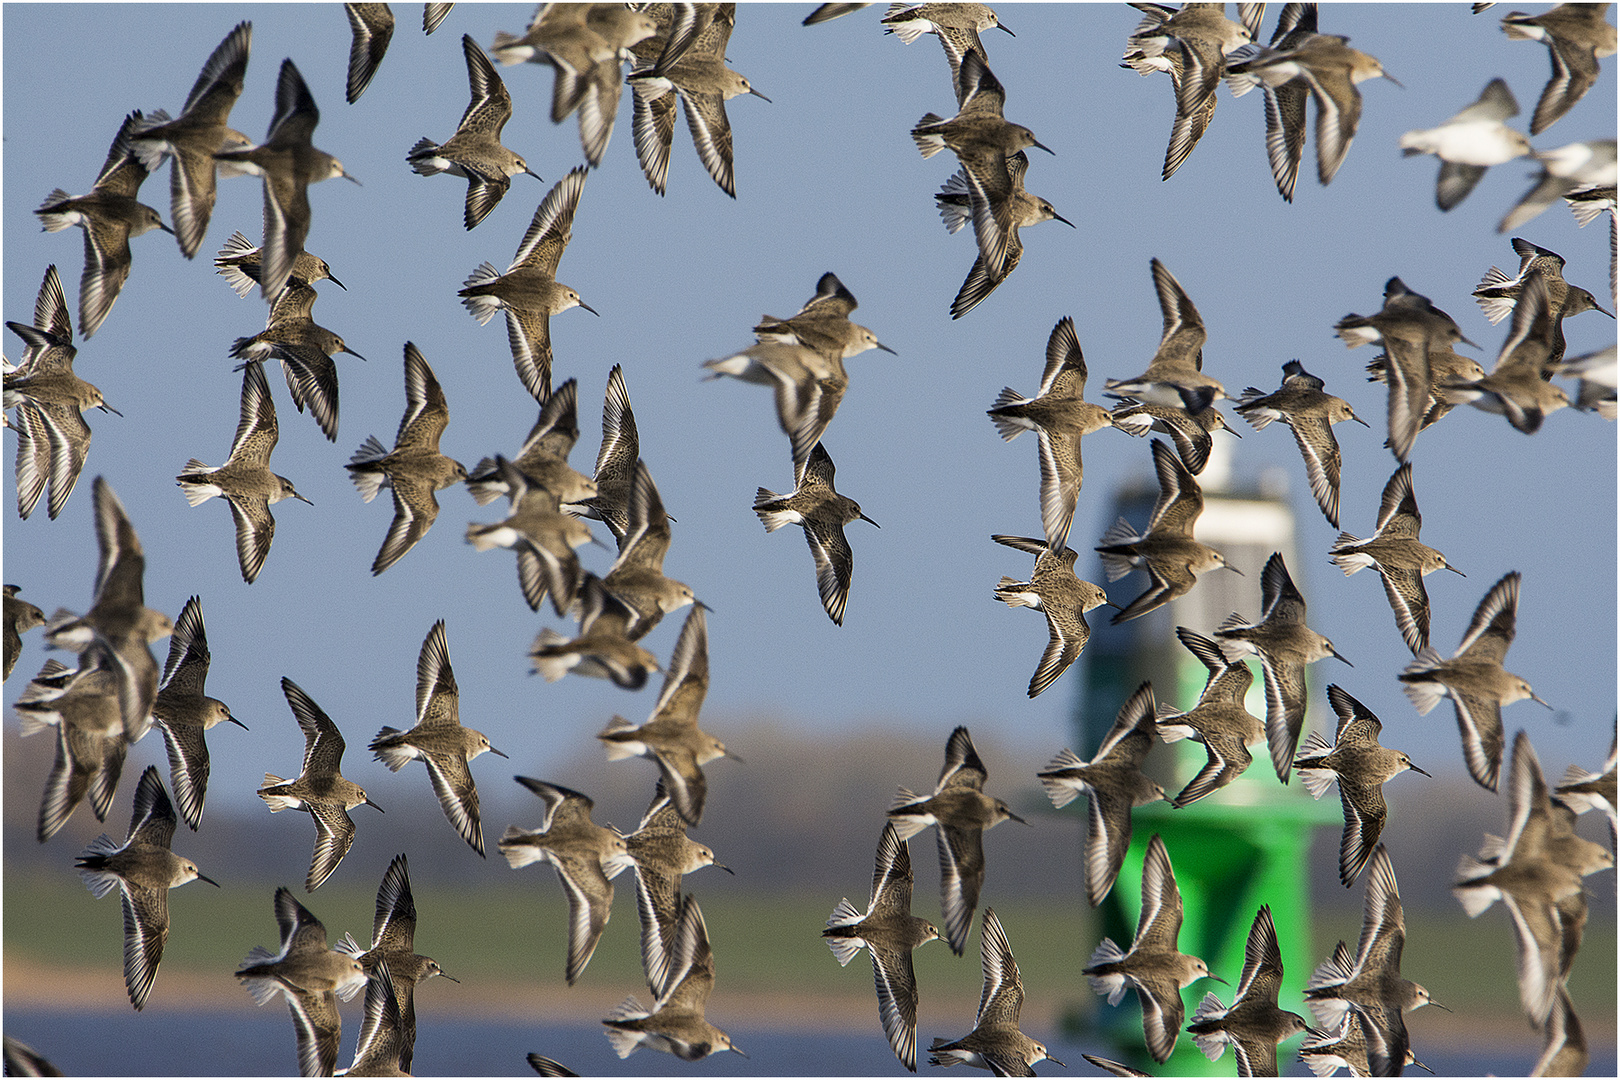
[(677, 55)]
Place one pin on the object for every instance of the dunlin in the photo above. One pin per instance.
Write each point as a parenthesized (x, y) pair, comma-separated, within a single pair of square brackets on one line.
[(1361, 767), (415, 469), (995, 1043), (1285, 102), (245, 480), (1401, 561), (543, 458), (1470, 142), (239, 263), (305, 349), (587, 45), (671, 737), (1310, 412), (542, 535), (663, 854), (559, 36), (1410, 328), (823, 324), (143, 869), (52, 437), (319, 789), (119, 613), (676, 1024), (603, 648), (393, 953), (1254, 1025), (511, 49), (1475, 681), (1582, 791), (1499, 291), (1058, 593), (1192, 45), (1351, 1046), (814, 505), (957, 26), (202, 130), (586, 856), (961, 813), (1166, 550), (183, 712), (1371, 983), (966, 195), (890, 932), (637, 576), (1534, 880), (371, 28), (1191, 431), (475, 152), (20, 617), (380, 1049), (1219, 720), (1175, 375), (1564, 170), (311, 977), (438, 740), (529, 292), (1447, 367), (1539, 299), (83, 705), (289, 163), (1330, 69), (1576, 35), (620, 29), (984, 143), (616, 458), (1060, 417), (699, 77), (808, 383), (1114, 780), (109, 216), (1154, 967), (1284, 645), (679, 28)]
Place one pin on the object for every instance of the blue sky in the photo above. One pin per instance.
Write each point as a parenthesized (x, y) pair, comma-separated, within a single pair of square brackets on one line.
[(827, 179)]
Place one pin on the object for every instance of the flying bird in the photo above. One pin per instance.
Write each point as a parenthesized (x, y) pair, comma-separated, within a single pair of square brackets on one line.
[(143, 869), (1284, 645), (319, 789), (183, 712), (474, 152), (995, 1044), (961, 813), (1362, 767), (1154, 966), (1114, 780), (890, 932), (245, 480), (414, 469), (1401, 561), (1058, 593), (1474, 680), (438, 740)]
